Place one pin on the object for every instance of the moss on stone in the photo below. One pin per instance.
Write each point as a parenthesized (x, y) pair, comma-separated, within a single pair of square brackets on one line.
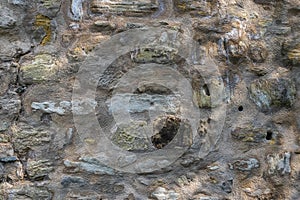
[(130, 138), (41, 69)]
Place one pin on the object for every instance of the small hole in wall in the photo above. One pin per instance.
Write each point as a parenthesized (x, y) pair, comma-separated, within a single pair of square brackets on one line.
[(240, 108), (206, 90), (269, 135), (46, 118)]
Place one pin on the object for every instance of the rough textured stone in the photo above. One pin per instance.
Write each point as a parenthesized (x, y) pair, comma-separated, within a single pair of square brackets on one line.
[(129, 8), (7, 19), (267, 93), (42, 68), (90, 165), (279, 163), (245, 165), (237, 113), (39, 169), (27, 138)]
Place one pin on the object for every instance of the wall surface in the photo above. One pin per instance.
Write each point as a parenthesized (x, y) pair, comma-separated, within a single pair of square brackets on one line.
[(150, 99)]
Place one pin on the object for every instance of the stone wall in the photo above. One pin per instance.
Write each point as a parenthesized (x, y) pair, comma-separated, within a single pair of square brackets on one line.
[(215, 82)]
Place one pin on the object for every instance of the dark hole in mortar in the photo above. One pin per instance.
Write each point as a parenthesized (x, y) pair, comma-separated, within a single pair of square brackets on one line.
[(167, 133), (46, 118), (206, 90), (269, 135), (240, 108)]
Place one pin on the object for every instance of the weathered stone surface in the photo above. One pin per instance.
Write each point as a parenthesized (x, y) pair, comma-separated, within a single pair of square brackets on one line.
[(245, 165), (42, 68), (127, 8), (132, 138), (13, 171), (103, 26), (89, 165), (39, 169), (291, 51), (255, 135), (6, 150), (50, 107), (240, 63), (27, 192), (279, 163), (68, 181), (27, 138), (161, 193), (156, 55), (196, 8), (76, 9), (7, 19), (10, 105), (268, 93)]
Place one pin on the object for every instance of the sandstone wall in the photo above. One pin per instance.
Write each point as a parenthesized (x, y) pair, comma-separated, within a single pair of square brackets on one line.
[(216, 82)]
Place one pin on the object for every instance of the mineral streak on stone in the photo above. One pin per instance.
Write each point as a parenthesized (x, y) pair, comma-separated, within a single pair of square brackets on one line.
[(127, 8), (45, 23)]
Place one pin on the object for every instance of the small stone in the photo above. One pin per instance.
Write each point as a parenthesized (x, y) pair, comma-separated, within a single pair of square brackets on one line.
[(134, 25), (14, 171), (90, 165), (279, 163), (263, 1), (68, 181), (160, 193), (41, 68), (213, 167), (251, 134), (246, 165), (257, 53), (39, 169), (76, 9), (26, 137), (182, 180), (118, 188), (268, 93), (291, 51), (18, 2), (7, 18), (74, 26), (161, 55), (6, 150), (10, 105), (127, 8), (9, 159), (103, 26), (26, 191), (50, 107)]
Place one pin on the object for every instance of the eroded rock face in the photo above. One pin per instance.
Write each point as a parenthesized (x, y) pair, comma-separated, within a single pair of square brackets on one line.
[(151, 99), (273, 92)]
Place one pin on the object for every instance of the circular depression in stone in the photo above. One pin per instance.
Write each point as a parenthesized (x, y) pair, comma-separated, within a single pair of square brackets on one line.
[(95, 135)]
